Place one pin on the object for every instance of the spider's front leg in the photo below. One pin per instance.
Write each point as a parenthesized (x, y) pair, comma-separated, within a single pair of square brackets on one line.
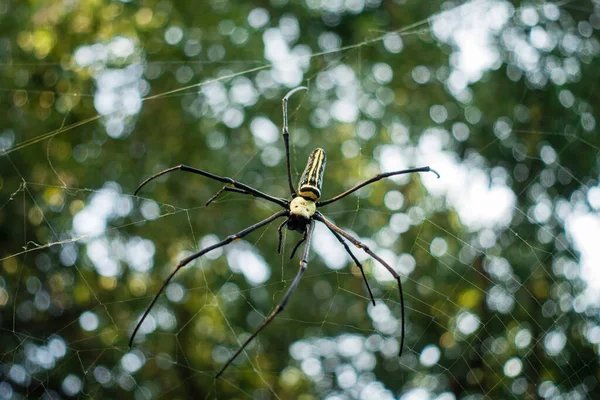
[(375, 179), (286, 136), (231, 185)]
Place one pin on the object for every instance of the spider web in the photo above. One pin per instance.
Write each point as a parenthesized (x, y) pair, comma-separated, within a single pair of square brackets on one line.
[(474, 311)]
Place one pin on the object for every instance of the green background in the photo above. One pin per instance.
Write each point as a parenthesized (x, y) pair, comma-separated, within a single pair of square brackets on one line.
[(98, 95)]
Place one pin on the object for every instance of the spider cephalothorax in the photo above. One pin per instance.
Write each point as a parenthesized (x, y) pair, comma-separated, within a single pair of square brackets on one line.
[(301, 212)]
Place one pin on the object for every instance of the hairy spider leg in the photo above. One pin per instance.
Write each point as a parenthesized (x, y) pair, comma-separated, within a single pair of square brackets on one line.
[(279, 308), (200, 253), (319, 217)]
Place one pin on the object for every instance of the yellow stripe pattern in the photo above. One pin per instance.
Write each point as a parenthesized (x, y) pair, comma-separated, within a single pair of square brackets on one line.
[(312, 178)]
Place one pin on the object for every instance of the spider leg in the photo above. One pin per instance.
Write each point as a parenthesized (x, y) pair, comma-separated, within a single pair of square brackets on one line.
[(358, 264), (375, 179), (192, 257), (319, 217), (243, 188), (280, 236), (298, 245), (279, 308), (286, 135)]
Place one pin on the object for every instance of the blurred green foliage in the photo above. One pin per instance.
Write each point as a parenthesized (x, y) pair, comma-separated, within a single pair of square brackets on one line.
[(98, 95)]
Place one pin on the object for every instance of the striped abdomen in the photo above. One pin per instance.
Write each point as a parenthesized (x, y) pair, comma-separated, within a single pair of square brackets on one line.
[(312, 178)]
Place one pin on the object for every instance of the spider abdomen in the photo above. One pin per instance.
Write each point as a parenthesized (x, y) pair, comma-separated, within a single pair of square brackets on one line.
[(311, 181)]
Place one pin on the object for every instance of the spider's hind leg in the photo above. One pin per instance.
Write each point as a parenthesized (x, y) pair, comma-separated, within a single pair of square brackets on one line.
[(358, 264), (200, 253), (366, 249)]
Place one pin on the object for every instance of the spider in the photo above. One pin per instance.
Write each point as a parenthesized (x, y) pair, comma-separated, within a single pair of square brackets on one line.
[(300, 212)]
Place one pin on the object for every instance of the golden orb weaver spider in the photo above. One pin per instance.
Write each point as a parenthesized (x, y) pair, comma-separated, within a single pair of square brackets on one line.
[(301, 212)]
